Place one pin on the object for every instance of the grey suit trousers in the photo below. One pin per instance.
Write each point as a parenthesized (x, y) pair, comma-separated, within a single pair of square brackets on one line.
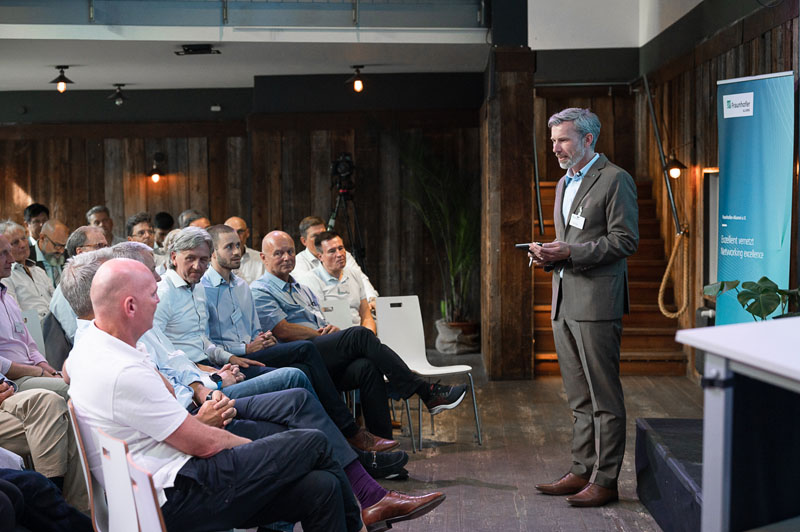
[(588, 356)]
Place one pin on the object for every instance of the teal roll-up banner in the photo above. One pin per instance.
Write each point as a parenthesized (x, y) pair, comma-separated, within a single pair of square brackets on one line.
[(756, 139)]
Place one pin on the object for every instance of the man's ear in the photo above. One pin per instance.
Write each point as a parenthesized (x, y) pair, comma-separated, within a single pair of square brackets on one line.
[(589, 139), (172, 255)]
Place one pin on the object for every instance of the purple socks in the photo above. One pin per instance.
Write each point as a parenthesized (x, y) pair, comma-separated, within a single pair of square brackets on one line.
[(366, 490)]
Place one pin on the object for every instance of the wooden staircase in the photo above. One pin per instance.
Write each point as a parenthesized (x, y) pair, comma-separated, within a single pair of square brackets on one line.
[(648, 338)]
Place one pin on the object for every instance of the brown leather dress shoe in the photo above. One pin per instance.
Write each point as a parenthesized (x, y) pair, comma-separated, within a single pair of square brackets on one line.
[(566, 485), (396, 506), (368, 442), (593, 495)]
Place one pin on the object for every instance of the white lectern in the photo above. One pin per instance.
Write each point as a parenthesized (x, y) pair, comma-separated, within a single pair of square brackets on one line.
[(766, 351)]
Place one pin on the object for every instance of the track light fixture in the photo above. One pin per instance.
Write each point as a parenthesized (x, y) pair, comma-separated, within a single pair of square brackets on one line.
[(62, 80), (675, 167), (158, 162), (118, 97), (358, 84)]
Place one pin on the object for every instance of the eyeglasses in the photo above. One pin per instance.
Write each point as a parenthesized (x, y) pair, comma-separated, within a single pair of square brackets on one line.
[(94, 247), (55, 244)]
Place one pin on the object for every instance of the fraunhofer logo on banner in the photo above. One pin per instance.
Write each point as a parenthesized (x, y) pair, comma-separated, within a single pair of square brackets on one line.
[(737, 105)]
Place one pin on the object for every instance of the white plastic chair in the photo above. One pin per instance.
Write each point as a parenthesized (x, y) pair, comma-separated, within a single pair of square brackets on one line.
[(337, 312), (144, 495), (119, 492), (97, 497), (34, 325), (401, 330)]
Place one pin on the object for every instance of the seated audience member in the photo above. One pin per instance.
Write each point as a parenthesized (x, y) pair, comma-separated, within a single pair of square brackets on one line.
[(48, 253), (162, 259), (139, 228), (205, 477), (20, 359), (192, 390), (291, 312), (251, 267), (332, 280), (35, 423), (307, 260), (100, 216), (28, 284), (194, 218), (163, 224), (84, 239), (233, 324), (182, 315), (35, 215)]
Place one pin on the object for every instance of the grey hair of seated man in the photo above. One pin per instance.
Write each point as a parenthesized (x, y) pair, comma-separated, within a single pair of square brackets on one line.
[(78, 238), (76, 279), (190, 238), (131, 250), (9, 225), (188, 216)]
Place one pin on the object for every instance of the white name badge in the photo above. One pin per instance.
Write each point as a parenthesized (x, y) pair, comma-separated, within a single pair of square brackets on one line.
[(577, 221)]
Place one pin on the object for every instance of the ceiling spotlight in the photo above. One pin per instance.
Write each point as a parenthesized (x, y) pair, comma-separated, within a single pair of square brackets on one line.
[(118, 97), (62, 80), (675, 167), (358, 84), (158, 162)]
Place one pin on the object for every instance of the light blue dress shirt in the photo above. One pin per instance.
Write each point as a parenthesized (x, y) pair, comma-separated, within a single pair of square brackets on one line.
[(63, 312), (278, 300), (183, 317), (571, 189), (232, 317), (173, 364)]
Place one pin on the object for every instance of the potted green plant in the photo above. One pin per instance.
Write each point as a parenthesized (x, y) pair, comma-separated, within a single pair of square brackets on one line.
[(441, 197), (760, 298)]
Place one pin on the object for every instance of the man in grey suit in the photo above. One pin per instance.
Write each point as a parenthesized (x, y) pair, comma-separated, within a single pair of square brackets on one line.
[(596, 222)]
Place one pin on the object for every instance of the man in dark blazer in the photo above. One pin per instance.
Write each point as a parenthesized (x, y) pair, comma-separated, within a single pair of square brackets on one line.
[(596, 223)]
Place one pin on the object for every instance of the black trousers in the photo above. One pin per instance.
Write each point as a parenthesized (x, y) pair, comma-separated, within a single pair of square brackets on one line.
[(289, 476), (304, 356), (355, 358)]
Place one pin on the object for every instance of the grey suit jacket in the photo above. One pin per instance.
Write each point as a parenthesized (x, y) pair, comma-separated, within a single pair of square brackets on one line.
[(595, 281)]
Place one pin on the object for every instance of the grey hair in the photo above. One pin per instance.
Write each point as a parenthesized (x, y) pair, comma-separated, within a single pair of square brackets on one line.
[(77, 276), (78, 238), (9, 225), (95, 210), (188, 216), (585, 122), (189, 238), (131, 250)]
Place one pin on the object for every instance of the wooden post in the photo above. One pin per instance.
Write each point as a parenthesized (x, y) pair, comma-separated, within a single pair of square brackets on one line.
[(507, 214)]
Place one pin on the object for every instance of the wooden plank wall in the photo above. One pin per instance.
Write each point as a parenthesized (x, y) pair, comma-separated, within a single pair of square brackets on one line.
[(685, 102), (272, 171)]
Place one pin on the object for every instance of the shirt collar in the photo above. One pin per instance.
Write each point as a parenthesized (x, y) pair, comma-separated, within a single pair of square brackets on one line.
[(280, 284), (176, 280), (39, 254), (215, 279), (578, 176), (120, 347)]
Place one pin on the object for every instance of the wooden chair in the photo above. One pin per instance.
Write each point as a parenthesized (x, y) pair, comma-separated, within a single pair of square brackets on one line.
[(401, 329), (144, 495), (97, 497), (122, 515)]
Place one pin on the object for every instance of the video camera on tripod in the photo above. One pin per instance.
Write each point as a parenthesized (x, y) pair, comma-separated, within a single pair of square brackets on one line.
[(342, 170)]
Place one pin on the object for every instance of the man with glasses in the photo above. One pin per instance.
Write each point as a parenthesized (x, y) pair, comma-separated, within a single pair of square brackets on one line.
[(139, 228), (48, 253), (28, 284), (35, 215), (83, 239)]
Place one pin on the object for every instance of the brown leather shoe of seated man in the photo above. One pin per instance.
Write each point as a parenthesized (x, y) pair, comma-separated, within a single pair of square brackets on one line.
[(396, 506), (368, 442), (566, 485), (593, 495)]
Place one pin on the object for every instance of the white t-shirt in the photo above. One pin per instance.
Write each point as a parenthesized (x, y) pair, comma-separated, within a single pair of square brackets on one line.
[(251, 267), (118, 389), (325, 286)]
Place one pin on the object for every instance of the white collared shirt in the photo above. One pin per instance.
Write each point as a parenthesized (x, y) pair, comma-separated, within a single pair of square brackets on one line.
[(31, 292), (117, 389), (325, 286), (251, 267), (305, 262)]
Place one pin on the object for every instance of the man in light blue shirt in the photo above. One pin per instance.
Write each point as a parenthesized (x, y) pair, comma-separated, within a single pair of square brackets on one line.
[(233, 323)]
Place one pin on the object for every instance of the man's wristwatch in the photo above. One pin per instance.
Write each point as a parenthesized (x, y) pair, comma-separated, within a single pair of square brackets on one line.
[(217, 380)]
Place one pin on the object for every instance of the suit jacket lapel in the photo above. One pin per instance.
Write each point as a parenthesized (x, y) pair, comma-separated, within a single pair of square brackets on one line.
[(558, 218), (586, 183)]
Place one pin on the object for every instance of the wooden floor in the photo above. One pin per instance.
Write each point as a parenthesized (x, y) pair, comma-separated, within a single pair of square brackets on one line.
[(526, 440)]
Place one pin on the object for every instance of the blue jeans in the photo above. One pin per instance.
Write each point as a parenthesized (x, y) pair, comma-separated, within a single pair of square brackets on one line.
[(270, 381)]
